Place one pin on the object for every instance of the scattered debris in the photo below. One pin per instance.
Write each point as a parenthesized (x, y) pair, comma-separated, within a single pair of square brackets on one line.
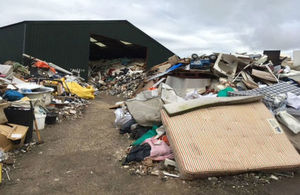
[(219, 76)]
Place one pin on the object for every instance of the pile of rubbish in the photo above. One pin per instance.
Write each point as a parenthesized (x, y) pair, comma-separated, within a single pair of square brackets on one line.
[(174, 113), (117, 77), (33, 96)]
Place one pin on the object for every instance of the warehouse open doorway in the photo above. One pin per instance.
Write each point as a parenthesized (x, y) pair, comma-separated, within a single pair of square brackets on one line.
[(107, 54)]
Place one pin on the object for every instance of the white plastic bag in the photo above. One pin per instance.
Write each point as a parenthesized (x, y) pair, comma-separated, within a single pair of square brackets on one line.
[(122, 117), (293, 100)]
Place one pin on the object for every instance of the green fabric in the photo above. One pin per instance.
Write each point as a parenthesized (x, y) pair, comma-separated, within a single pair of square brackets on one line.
[(20, 68), (224, 92), (149, 134)]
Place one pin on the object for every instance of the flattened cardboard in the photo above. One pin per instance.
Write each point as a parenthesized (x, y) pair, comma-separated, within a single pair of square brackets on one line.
[(3, 118)]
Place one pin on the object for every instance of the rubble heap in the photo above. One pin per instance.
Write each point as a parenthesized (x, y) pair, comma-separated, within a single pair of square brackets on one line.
[(171, 88), (117, 77), (32, 96)]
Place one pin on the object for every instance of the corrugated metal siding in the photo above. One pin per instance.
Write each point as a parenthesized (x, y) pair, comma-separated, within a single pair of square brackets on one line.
[(66, 43), (11, 43)]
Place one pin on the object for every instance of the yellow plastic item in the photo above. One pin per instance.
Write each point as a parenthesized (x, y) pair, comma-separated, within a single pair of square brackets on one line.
[(83, 92), (51, 82), (25, 99)]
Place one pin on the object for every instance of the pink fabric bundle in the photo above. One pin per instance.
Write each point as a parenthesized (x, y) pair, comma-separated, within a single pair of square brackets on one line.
[(159, 149)]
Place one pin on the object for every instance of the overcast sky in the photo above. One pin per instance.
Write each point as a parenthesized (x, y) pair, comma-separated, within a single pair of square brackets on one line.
[(183, 26)]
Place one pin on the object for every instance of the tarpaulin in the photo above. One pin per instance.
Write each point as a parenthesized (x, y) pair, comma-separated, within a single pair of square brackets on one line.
[(146, 113), (83, 92)]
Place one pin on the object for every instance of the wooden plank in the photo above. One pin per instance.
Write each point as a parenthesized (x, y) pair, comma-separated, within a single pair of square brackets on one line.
[(263, 75)]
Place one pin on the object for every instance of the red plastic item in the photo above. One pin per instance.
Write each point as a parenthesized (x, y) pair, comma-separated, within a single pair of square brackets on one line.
[(41, 64), (165, 139)]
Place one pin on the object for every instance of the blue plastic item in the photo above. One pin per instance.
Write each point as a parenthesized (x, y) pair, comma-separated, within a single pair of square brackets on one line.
[(200, 64), (167, 71), (174, 67), (12, 95)]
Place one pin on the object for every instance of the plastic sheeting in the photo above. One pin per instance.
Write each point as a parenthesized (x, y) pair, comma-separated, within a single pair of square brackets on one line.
[(122, 117), (146, 113), (293, 100), (82, 92), (168, 95)]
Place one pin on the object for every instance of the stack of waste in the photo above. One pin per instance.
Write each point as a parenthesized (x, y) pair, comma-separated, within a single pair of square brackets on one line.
[(117, 77), (33, 95), (201, 111), (69, 108)]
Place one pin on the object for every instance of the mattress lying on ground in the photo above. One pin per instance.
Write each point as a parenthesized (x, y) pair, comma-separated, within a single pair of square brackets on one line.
[(228, 139)]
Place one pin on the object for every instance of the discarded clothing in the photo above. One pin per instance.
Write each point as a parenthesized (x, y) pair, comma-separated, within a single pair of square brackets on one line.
[(139, 131), (138, 153), (12, 95), (149, 134), (224, 92), (159, 149), (126, 127), (293, 100)]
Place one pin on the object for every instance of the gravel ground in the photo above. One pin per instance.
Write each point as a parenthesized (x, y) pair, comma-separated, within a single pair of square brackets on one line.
[(82, 157)]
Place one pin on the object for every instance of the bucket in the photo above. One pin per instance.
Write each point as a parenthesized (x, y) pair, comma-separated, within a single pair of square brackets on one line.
[(40, 120), (51, 118)]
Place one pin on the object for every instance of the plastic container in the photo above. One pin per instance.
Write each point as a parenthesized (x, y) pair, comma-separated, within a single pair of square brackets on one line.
[(51, 118), (21, 116), (40, 120), (43, 94)]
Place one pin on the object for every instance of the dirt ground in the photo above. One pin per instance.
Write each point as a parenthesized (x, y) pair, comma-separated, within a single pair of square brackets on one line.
[(80, 157)]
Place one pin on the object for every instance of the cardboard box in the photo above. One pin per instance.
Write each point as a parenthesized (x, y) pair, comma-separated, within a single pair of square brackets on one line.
[(12, 136), (3, 118)]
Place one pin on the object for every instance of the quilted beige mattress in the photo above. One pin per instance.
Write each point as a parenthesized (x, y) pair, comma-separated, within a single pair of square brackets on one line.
[(228, 139)]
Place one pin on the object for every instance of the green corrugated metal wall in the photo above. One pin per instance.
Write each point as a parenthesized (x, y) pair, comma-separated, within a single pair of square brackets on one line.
[(11, 43), (66, 43)]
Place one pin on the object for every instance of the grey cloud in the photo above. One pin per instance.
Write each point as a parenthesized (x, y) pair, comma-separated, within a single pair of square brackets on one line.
[(183, 26)]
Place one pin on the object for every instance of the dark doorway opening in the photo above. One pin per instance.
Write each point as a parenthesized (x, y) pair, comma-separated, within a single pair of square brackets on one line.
[(107, 48)]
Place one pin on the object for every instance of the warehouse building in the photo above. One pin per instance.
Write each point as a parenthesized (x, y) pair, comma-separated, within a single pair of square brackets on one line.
[(72, 44)]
